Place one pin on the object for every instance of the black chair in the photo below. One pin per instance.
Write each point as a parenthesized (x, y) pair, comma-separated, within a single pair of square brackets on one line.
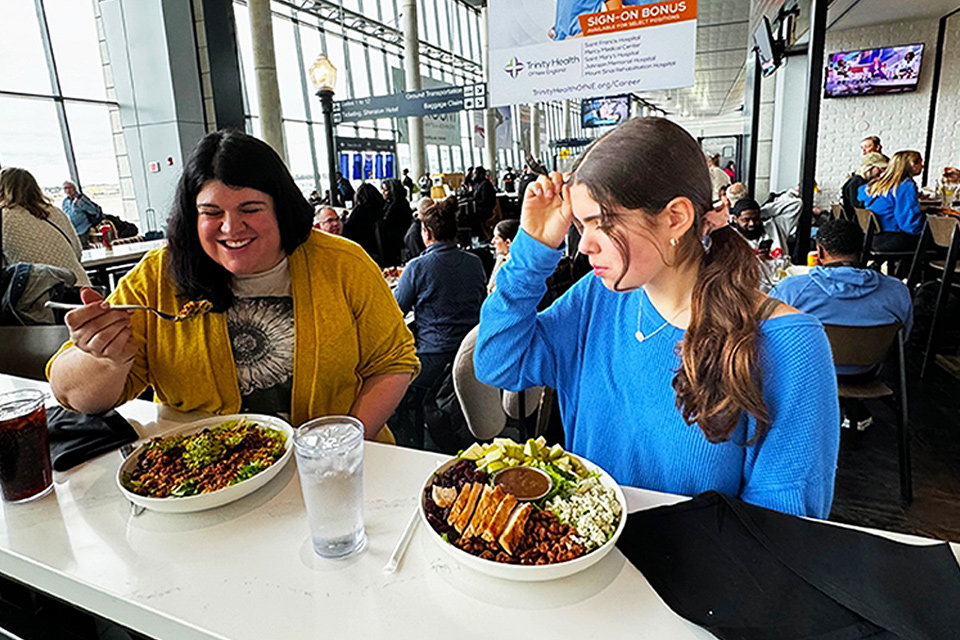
[(944, 232), (26, 349), (868, 347), (871, 228)]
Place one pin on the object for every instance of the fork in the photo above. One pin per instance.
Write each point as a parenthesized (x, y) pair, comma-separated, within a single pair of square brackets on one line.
[(125, 451), (160, 314)]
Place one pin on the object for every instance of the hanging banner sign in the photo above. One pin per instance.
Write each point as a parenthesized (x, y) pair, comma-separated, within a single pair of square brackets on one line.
[(411, 103), (588, 48)]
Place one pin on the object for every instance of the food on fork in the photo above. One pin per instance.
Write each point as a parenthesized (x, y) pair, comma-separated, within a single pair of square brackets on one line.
[(194, 308)]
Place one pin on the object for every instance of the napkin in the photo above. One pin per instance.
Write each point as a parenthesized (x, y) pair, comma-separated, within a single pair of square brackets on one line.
[(746, 572), (78, 437)]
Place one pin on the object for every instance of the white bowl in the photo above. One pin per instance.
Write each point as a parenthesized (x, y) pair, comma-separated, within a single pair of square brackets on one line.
[(528, 573), (219, 497)]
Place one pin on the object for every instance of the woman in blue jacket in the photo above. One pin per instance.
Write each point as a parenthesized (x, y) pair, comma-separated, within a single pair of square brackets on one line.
[(895, 201), (674, 373)]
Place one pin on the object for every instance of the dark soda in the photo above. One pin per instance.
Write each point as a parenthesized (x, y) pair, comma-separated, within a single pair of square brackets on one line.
[(24, 454)]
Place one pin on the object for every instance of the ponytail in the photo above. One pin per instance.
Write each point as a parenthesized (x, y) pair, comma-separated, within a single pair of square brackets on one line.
[(637, 169), (719, 380)]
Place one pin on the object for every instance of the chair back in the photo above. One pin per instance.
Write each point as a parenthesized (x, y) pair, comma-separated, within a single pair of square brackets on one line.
[(942, 229), (837, 211), (867, 220), (26, 350), (480, 402), (861, 346)]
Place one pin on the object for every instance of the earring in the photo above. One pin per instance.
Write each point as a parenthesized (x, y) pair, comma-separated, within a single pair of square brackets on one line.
[(673, 242)]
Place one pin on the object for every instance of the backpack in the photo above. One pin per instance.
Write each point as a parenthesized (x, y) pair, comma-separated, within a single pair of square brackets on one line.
[(27, 287)]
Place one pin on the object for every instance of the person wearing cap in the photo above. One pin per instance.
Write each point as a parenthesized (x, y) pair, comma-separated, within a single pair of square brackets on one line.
[(872, 166)]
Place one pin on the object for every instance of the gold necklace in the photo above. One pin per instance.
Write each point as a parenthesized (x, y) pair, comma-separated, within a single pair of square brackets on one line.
[(639, 334)]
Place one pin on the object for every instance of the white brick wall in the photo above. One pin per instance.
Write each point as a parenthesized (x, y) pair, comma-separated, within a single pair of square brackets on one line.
[(899, 120)]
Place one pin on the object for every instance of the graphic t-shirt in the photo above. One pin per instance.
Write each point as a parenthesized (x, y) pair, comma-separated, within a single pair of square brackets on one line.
[(260, 324)]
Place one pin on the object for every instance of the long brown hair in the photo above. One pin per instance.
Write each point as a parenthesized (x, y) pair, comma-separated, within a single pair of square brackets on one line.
[(899, 168), (18, 187), (633, 172)]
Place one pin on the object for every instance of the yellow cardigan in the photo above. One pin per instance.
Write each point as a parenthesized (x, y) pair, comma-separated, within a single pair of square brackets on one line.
[(347, 328)]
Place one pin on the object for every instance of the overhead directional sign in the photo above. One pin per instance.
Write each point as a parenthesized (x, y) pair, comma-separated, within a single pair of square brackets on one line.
[(411, 103)]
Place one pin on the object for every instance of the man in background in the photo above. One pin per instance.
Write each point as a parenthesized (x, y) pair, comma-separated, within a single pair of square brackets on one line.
[(871, 144), (408, 184), (83, 212), (329, 221), (347, 194), (839, 292)]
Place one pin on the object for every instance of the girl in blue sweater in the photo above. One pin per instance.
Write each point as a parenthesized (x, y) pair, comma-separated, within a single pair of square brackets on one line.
[(895, 201), (673, 371)]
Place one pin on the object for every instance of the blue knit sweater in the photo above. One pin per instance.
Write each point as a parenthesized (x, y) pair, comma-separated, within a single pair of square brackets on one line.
[(618, 406)]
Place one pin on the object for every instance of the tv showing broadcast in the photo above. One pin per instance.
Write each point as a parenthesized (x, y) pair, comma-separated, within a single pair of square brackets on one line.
[(602, 112), (873, 71)]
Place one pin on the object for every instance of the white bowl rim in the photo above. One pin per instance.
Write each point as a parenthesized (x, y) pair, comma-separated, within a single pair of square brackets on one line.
[(198, 425)]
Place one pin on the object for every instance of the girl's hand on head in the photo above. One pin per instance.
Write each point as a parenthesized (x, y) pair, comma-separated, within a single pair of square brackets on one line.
[(100, 331), (546, 213)]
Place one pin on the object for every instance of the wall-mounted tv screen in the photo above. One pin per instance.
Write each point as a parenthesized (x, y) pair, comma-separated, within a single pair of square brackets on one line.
[(601, 112), (766, 47), (873, 71)]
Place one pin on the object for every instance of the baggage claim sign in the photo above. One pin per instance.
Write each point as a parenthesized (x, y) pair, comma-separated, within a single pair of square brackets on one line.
[(588, 48)]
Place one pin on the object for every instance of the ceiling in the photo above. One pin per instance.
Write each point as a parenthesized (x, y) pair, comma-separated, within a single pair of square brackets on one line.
[(723, 38)]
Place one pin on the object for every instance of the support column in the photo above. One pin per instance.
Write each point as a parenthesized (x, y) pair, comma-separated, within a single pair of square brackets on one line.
[(535, 130), (567, 123), (411, 72), (808, 162), (489, 115), (265, 67)]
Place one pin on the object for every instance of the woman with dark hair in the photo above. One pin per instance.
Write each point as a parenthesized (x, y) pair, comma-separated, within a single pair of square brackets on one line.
[(302, 323), (361, 225), (670, 332), (34, 230), (397, 217)]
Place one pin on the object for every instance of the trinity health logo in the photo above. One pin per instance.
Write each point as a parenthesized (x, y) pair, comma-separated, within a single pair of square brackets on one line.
[(514, 67)]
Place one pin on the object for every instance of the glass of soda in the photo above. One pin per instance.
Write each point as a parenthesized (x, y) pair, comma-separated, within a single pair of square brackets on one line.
[(25, 471), (330, 459)]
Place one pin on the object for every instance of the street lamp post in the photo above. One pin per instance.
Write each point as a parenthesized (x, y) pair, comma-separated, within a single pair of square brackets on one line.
[(324, 77)]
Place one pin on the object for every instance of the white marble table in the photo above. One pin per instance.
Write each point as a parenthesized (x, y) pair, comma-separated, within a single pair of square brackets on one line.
[(247, 570), (132, 252)]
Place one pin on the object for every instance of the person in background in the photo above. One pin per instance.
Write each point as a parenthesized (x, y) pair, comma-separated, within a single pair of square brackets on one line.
[(444, 287), (509, 181), (737, 191), (328, 220), (895, 200), (408, 184), (529, 176), (302, 323), (838, 292), (34, 230), (872, 166), (746, 405), (84, 213), (314, 198), (397, 217), (764, 238), (503, 235), (485, 200), (413, 240), (730, 170), (718, 177), (871, 144), (345, 189), (361, 225), (425, 184), (952, 174)]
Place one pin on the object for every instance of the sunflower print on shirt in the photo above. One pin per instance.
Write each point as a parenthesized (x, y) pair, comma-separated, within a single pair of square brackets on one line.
[(262, 339)]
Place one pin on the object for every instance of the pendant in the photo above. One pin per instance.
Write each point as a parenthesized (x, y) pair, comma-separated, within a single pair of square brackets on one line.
[(639, 336)]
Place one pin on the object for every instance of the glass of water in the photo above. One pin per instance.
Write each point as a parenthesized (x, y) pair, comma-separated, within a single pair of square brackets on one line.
[(330, 459)]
